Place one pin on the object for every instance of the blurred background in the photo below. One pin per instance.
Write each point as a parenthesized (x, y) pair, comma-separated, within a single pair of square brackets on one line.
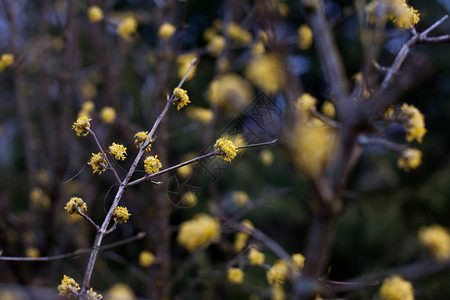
[(68, 63)]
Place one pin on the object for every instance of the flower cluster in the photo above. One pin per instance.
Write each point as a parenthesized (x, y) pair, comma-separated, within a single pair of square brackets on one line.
[(121, 215), (76, 205), (216, 45), (328, 109), (127, 27), (184, 63), (181, 98), (40, 198), (189, 199), (166, 30), (81, 125), (68, 287), (230, 92), (402, 15), (305, 37), (95, 14), (413, 121), (396, 288), (198, 232), (306, 103), (227, 148), (241, 237), (409, 159), (235, 275), (146, 259), (437, 240), (140, 138), (86, 109), (91, 295), (278, 273), (255, 257), (240, 198), (118, 151), (98, 163), (6, 60), (152, 164)]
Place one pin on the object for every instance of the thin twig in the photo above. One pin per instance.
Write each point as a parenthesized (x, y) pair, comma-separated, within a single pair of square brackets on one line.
[(364, 140), (325, 119), (86, 217)]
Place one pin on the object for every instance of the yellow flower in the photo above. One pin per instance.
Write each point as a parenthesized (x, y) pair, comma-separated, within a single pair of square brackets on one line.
[(402, 15), (118, 151), (241, 237), (32, 252), (95, 14), (189, 199), (91, 295), (437, 239), (76, 205), (88, 107), (127, 27), (305, 37), (255, 257), (80, 126), (6, 60), (410, 159), (306, 103), (258, 48), (184, 62), (227, 148), (181, 98), (120, 291), (235, 275), (299, 260), (202, 115), (166, 30), (266, 72), (146, 259), (328, 109), (396, 288), (278, 273), (98, 163), (108, 115), (278, 293), (230, 91), (140, 138), (152, 164), (238, 34), (121, 215), (216, 45), (240, 198), (68, 287), (266, 157), (209, 33), (414, 122), (198, 232), (88, 89)]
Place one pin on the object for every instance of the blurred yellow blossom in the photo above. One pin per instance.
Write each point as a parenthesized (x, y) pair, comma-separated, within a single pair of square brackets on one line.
[(402, 15), (241, 237), (95, 14), (6, 60), (410, 159), (278, 273), (200, 114), (299, 260), (414, 122), (216, 45), (238, 34), (240, 198), (189, 199), (91, 295), (166, 30), (328, 109), (255, 257), (266, 72), (184, 62), (120, 291), (108, 115), (283, 9), (277, 293), (230, 91), (32, 252), (305, 104), (198, 232), (146, 259), (437, 239), (396, 288), (39, 198), (258, 48), (127, 27), (305, 37), (235, 275)]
